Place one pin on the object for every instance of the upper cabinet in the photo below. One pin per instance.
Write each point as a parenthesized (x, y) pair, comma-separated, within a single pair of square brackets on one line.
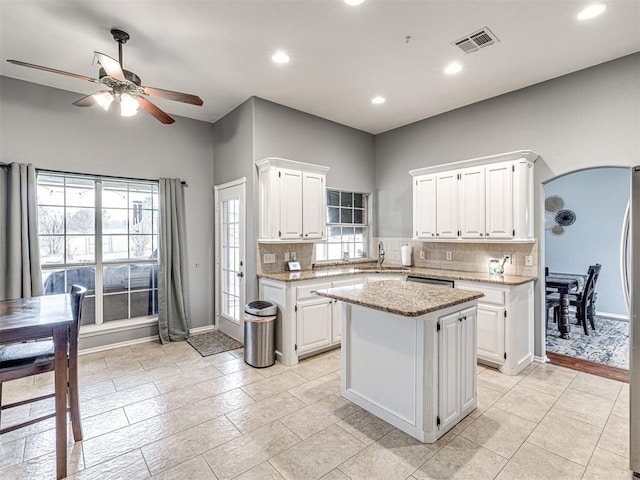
[(292, 200), (489, 198)]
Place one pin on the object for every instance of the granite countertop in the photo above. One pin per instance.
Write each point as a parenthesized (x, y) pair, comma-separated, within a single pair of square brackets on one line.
[(409, 299), (322, 273)]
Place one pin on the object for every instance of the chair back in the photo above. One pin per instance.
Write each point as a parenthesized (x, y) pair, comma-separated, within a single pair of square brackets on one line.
[(590, 285), (77, 297)]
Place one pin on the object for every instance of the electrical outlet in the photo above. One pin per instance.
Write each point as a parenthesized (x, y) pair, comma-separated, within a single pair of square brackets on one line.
[(269, 258), (286, 256), (449, 256), (293, 256), (421, 254), (528, 260)]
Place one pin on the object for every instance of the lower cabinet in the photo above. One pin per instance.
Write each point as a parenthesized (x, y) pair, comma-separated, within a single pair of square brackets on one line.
[(457, 366), (504, 325), (306, 323)]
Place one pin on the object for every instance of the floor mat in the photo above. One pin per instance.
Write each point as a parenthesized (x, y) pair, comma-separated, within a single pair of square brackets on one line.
[(608, 344), (213, 342)]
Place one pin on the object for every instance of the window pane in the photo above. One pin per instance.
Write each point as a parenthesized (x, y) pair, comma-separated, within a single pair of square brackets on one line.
[(50, 220), (141, 221), (346, 215), (81, 220), (88, 316), (50, 190), (358, 200), (114, 221), (333, 198), (80, 192), (115, 247), (334, 251), (141, 246), (333, 215), (142, 277), (114, 195), (51, 249), (60, 281), (116, 279), (346, 199), (335, 234), (116, 307), (143, 303), (80, 249), (357, 216)]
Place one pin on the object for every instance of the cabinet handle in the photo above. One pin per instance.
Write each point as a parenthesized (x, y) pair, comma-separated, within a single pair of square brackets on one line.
[(437, 234), (487, 234), (481, 234), (432, 234)]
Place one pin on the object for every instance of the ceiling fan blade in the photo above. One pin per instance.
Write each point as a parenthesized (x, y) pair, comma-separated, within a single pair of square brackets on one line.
[(53, 70), (154, 110), (111, 66), (170, 95)]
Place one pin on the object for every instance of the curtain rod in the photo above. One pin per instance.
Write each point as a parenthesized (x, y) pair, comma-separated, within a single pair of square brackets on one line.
[(44, 170)]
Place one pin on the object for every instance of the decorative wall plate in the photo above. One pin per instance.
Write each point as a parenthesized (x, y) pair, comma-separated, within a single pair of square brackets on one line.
[(557, 230), (549, 220), (553, 203), (565, 218)]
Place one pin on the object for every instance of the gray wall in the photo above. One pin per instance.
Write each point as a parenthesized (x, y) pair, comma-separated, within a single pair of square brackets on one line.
[(586, 119), (259, 128), (599, 199), (39, 125)]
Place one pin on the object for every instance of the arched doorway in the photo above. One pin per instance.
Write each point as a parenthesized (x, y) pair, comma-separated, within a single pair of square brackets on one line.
[(584, 215)]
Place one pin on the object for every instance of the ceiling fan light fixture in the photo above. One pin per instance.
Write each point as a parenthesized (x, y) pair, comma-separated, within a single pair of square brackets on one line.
[(128, 105), (103, 99)]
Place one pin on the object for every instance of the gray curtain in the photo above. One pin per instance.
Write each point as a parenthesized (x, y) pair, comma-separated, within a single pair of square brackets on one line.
[(173, 324), (19, 249)]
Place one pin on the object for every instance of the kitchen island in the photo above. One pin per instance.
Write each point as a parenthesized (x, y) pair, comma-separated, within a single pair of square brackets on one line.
[(409, 353)]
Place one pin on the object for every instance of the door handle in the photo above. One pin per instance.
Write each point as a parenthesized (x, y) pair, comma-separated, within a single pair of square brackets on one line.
[(239, 274)]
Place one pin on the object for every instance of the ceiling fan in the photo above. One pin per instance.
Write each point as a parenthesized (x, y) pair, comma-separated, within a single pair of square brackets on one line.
[(126, 87)]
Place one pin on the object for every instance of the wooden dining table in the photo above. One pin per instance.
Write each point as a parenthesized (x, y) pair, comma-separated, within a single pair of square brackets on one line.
[(564, 285), (44, 317)]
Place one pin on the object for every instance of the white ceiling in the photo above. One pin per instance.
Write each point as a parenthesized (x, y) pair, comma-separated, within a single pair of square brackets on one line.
[(341, 56)]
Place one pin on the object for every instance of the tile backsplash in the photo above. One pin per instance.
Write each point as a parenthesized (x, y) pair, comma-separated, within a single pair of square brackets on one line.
[(304, 253), (468, 257)]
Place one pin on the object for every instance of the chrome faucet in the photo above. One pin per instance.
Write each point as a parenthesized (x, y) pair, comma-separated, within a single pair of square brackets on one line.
[(380, 254)]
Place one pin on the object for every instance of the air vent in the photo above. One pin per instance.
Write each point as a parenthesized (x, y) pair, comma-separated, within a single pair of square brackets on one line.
[(477, 40)]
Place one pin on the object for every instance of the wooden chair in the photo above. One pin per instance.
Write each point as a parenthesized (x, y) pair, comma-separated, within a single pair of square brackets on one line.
[(552, 303), (19, 360)]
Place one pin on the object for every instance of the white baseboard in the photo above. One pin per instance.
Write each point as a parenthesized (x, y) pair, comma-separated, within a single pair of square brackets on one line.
[(540, 359), (110, 346), (206, 328)]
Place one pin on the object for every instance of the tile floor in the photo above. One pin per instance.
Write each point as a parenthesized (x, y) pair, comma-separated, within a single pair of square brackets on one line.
[(165, 411)]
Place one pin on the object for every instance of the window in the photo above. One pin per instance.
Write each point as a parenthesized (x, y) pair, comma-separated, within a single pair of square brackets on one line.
[(103, 234), (346, 226)]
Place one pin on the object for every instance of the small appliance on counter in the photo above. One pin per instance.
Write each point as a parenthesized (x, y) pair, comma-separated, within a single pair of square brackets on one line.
[(496, 267), (405, 253)]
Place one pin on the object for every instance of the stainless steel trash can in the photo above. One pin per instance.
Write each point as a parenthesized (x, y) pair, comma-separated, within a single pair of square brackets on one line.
[(259, 334)]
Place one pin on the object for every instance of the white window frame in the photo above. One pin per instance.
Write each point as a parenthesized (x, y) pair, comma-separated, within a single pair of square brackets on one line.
[(99, 263)]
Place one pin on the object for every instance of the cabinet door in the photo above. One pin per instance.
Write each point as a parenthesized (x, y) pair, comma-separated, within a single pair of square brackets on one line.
[(499, 187), (313, 206), (314, 325), (472, 202), (447, 205), (468, 367), (449, 370), (290, 204), (424, 206), (491, 333)]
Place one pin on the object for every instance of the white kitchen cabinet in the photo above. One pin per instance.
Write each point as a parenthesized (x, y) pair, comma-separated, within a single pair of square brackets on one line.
[(472, 202), (306, 323), (478, 200), (292, 200), (499, 200), (504, 325), (456, 368), (447, 205), (424, 218)]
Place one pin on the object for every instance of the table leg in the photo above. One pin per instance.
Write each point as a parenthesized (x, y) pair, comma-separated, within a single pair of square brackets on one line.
[(60, 341), (563, 326)]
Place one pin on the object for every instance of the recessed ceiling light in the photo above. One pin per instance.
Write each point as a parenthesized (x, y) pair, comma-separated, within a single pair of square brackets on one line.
[(280, 57), (592, 11), (452, 68), (353, 3), (378, 100)]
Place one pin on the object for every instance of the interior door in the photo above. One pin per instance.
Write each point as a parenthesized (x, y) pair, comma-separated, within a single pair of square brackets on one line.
[(230, 243)]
